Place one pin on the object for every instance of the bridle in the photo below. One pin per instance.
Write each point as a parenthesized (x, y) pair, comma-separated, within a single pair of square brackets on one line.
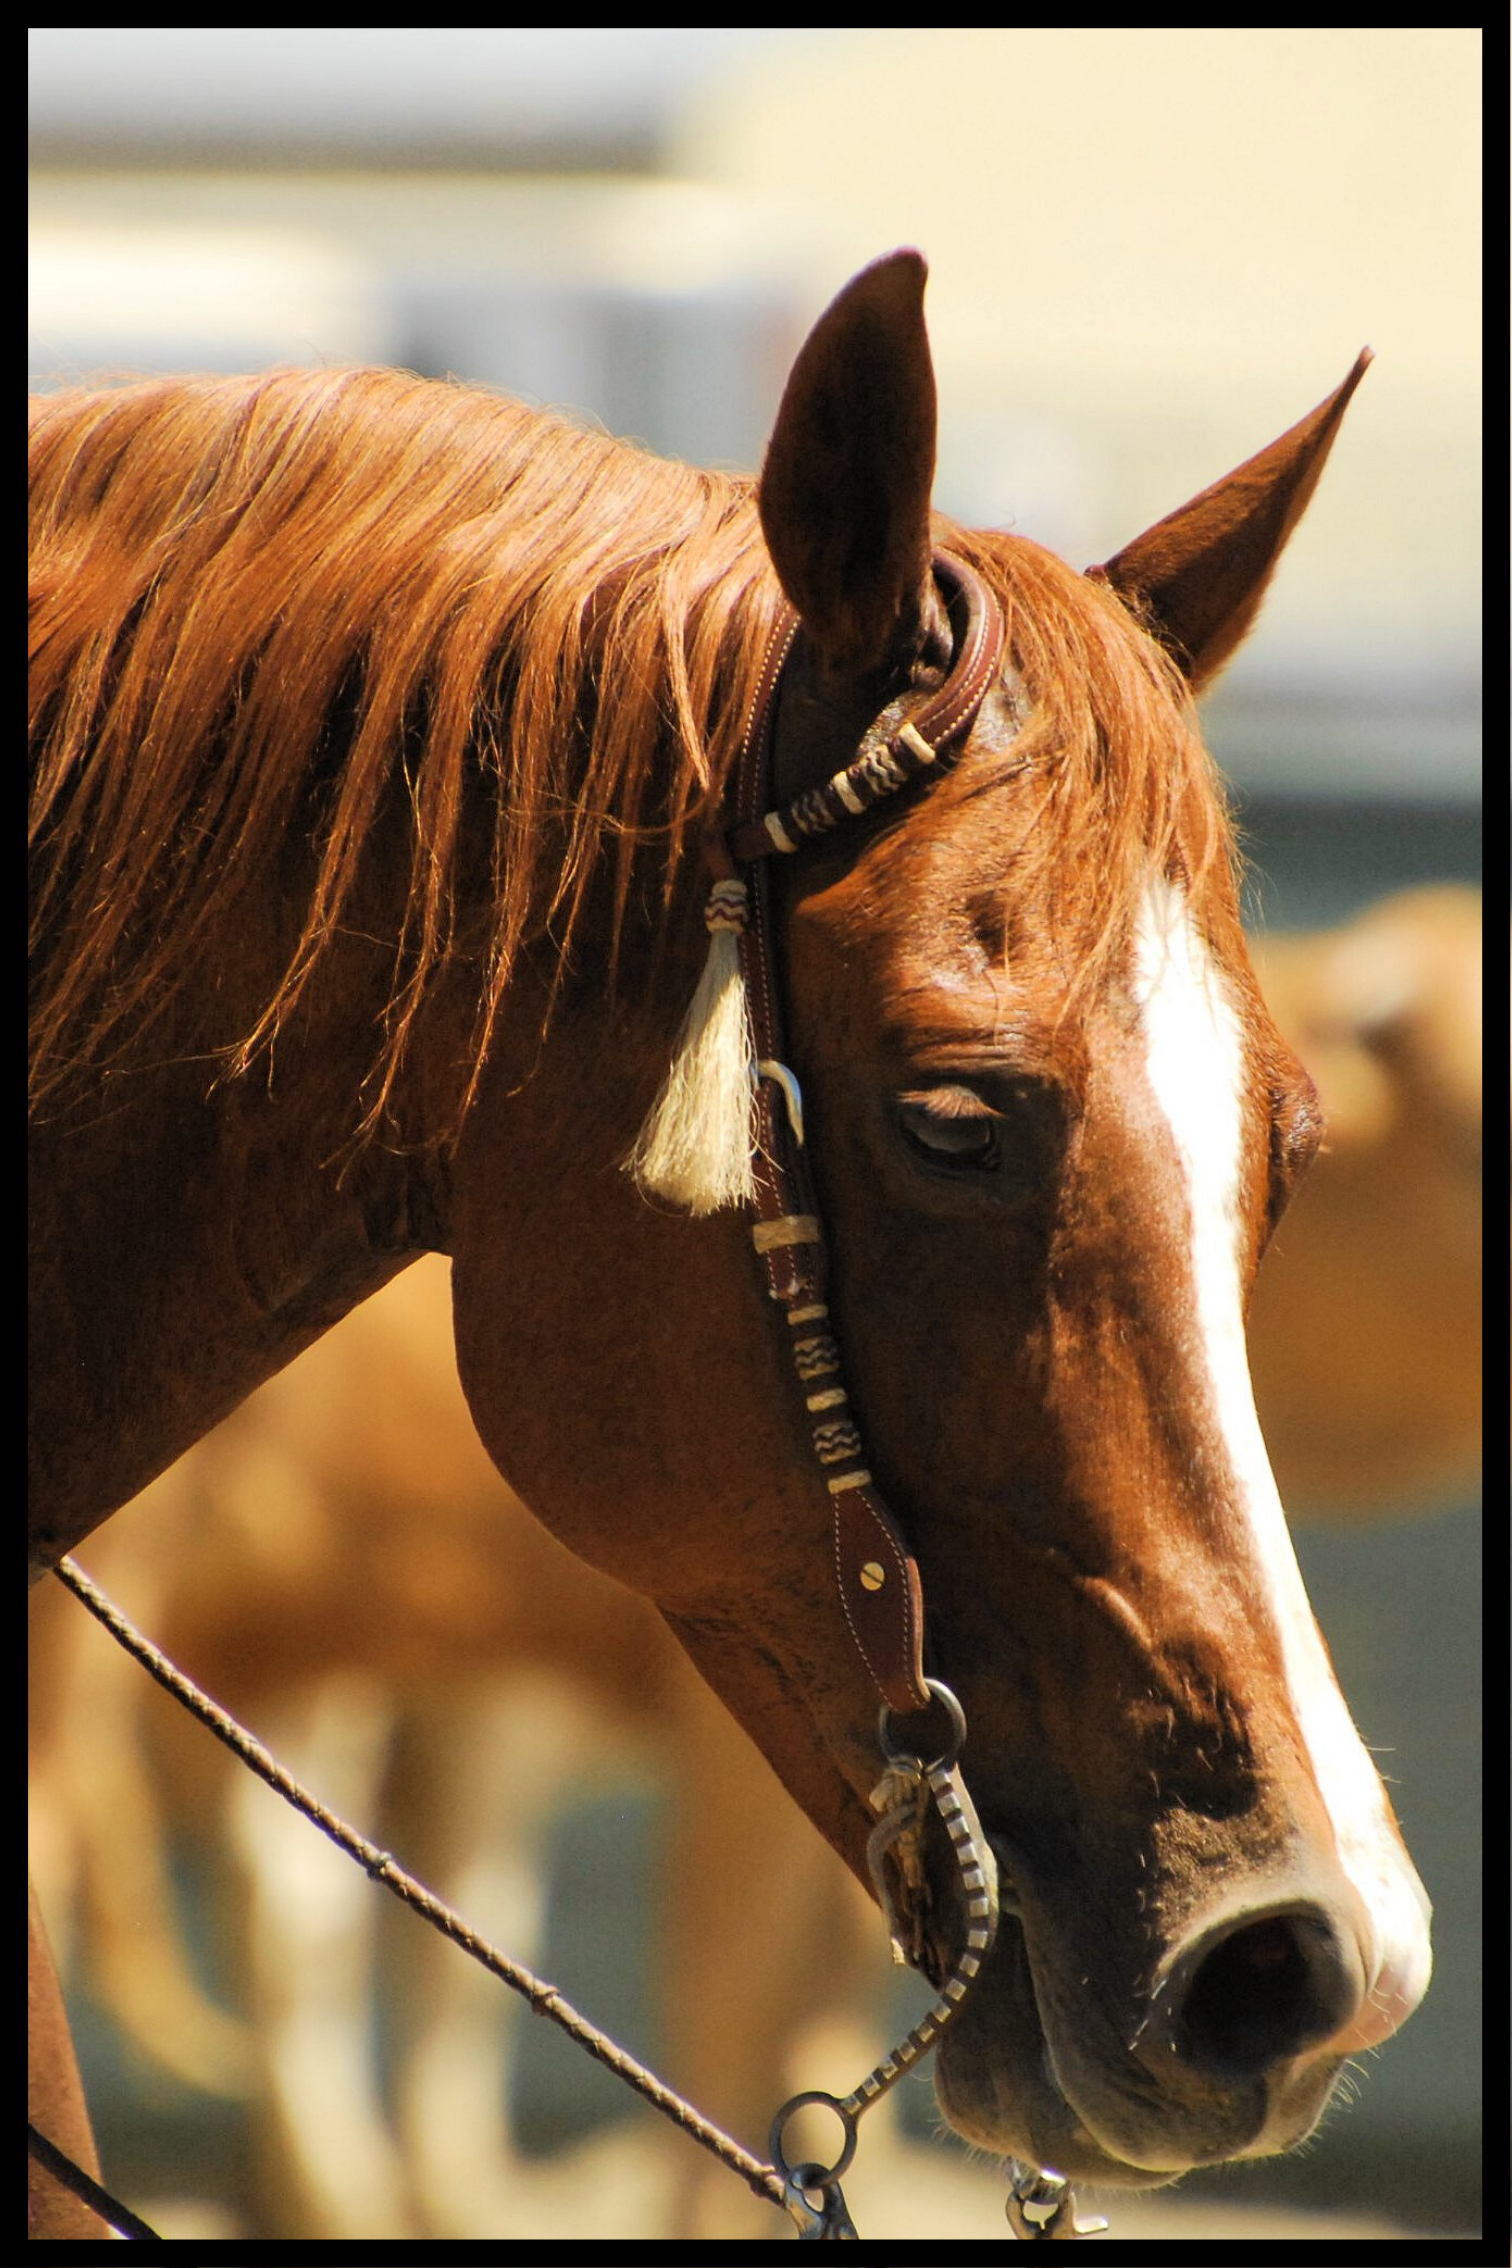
[(875, 1572), (877, 1578), (876, 1575)]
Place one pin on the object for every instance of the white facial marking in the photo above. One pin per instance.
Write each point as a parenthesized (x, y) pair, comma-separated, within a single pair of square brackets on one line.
[(1195, 1061)]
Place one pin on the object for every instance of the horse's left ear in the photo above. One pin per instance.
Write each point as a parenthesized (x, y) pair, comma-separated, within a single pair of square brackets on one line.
[(1197, 578), (845, 488)]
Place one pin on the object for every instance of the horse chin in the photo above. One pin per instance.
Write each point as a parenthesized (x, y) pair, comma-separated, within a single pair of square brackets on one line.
[(996, 2083)]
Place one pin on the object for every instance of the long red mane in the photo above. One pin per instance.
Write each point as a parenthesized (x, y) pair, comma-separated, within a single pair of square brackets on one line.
[(240, 580), (261, 605)]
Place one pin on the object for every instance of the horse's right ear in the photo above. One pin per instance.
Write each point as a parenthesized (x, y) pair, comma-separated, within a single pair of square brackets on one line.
[(845, 489)]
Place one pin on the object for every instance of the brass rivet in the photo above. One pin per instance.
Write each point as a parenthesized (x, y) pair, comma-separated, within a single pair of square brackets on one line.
[(872, 1576)]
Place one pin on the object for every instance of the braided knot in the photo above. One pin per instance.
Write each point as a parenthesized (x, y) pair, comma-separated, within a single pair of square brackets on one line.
[(727, 907)]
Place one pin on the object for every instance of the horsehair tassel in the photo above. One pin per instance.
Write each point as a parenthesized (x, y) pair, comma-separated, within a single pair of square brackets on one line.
[(695, 1146)]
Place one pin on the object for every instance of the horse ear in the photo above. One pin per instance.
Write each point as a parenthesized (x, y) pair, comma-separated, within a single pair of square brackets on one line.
[(1196, 579), (845, 489)]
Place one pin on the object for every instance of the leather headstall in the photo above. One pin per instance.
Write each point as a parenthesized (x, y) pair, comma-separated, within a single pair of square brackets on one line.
[(876, 1573)]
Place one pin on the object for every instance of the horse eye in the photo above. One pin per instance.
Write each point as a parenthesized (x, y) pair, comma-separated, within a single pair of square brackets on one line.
[(951, 1127)]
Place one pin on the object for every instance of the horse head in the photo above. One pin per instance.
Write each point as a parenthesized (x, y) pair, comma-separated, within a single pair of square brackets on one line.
[(1052, 1127), (375, 722)]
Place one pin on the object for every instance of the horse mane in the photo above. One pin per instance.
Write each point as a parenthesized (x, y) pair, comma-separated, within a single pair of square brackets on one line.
[(265, 606), (238, 583), (1129, 786)]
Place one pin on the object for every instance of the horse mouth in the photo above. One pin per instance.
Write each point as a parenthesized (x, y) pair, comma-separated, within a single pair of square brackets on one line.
[(999, 2083), (999, 2090)]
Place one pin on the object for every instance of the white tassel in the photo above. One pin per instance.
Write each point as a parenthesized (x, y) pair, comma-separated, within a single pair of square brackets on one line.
[(695, 1147)]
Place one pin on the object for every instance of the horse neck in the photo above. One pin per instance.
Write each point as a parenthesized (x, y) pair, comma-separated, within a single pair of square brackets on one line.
[(194, 1231), (192, 1235)]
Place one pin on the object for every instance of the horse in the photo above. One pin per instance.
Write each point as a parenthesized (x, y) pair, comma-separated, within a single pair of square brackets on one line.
[(486, 1657), (1362, 1338), (1365, 1330), (384, 737)]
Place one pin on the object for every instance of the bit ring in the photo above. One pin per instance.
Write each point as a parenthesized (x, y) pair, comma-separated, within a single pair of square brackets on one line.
[(948, 1755), (807, 2174)]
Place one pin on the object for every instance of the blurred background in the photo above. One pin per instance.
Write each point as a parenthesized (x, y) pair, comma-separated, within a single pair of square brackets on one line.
[(1150, 251)]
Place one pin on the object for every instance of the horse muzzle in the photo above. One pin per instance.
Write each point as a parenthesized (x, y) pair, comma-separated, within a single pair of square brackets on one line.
[(1128, 2065)]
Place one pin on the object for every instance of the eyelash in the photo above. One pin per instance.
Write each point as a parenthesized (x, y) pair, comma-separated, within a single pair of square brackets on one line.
[(946, 1109)]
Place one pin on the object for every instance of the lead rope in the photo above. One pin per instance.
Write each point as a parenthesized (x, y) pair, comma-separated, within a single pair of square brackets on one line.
[(544, 1998), (1039, 2204)]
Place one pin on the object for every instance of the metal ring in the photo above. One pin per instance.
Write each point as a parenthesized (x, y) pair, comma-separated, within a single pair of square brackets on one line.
[(948, 1755), (792, 1093), (813, 2176)]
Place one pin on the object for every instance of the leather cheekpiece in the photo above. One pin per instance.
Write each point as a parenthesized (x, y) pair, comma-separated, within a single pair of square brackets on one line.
[(876, 1575)]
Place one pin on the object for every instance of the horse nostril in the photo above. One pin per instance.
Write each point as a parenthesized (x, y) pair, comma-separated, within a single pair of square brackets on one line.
[(1265, 1992)]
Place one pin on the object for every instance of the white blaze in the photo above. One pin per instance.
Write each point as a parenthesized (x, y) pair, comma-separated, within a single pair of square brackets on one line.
[(1195, 1060)]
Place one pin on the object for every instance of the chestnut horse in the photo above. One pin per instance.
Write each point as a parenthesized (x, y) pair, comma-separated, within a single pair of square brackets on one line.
[(378, 723), (493, 1661)]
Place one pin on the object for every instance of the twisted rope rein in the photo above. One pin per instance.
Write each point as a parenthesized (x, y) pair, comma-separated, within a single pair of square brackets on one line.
[(385, 1870)]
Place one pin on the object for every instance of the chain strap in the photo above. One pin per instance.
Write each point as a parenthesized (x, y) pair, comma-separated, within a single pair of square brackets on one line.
[(903, 1796)]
